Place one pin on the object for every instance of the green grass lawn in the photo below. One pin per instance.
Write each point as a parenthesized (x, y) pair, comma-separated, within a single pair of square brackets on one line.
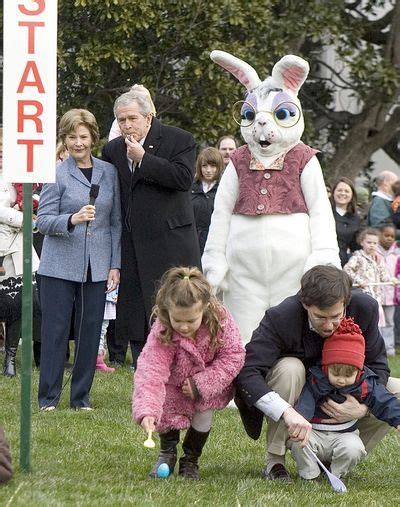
[(97, 458)]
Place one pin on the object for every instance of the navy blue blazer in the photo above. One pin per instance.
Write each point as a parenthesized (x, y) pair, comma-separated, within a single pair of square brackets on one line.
[(63, 250)]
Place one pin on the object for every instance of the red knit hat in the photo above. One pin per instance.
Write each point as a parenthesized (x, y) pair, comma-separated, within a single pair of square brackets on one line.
[(345, 346)]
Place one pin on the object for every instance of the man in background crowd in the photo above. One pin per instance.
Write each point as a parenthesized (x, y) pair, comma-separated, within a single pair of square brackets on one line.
[(380, 211), (226, 145)]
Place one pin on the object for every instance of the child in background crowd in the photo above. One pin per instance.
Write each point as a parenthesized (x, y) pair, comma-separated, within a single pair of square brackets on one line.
[(367, 272), (209, 169), (186, 369), (395, 218), (110, 313), (342, 373), (396, 196), (61, 153), (396, 299), (388, 254)]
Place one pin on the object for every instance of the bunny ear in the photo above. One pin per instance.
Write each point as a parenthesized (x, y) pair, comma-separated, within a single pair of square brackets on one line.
[(290, 72), (242, 71)]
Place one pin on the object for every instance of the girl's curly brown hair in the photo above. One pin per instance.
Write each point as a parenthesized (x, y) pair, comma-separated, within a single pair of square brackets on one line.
[(186, 286)]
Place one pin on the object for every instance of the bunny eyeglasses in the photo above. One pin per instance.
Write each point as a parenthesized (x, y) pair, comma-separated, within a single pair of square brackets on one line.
[(286, 114)]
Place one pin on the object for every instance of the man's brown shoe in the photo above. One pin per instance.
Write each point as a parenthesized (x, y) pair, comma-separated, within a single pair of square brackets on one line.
[(277, 473)]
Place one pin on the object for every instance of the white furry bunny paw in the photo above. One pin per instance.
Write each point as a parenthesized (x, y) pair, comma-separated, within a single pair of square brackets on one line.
[(217, 280)]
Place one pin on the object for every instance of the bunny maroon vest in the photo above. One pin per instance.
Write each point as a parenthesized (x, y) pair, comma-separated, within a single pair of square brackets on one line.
[(268, 191)]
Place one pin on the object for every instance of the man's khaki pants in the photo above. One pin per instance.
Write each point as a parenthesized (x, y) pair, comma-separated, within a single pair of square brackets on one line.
[(287, 378)]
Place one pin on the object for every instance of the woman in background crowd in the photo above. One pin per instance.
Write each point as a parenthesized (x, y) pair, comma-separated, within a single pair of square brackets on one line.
[(344, 207)]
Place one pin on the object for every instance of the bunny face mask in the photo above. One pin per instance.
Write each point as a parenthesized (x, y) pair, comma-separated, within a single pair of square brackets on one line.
[(270, 117)]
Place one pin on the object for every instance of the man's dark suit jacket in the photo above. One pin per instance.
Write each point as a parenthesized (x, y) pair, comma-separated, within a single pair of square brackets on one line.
[(284, 331), (158, 222)]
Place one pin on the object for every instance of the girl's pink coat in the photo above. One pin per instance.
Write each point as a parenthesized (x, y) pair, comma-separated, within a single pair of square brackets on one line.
[(162, 369), (389, 259)]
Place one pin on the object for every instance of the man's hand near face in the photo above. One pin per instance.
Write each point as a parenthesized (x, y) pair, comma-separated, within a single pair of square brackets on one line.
[(134, 149)]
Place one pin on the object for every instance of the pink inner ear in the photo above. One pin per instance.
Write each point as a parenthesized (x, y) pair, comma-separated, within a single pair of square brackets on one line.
[(293, 77), (239, 74)]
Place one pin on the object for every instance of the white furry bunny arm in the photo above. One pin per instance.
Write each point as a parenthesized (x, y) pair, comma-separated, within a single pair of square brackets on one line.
[(215, 266), (324, 247)]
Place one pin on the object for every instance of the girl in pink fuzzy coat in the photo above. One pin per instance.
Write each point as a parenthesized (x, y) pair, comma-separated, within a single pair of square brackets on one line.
[(186, 369)]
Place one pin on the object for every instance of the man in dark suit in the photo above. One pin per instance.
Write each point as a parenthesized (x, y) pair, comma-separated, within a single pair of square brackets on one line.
[(287, 342), (156, 164)]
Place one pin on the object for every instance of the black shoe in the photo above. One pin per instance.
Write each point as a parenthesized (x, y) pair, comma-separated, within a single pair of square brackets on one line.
[(277, 473), (189, 469)]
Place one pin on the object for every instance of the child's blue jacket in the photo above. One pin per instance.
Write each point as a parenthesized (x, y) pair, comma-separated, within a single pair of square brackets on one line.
[(380, 402)]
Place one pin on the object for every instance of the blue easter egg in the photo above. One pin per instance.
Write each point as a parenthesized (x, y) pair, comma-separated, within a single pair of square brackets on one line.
[(163, 471)]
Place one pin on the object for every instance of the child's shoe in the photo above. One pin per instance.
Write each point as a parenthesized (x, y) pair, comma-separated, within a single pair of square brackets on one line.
[(192, 447), (101, 365), (168, 453)]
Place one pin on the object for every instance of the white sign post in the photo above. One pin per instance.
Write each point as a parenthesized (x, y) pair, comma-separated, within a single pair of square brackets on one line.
[(29, 90), (29, 143)]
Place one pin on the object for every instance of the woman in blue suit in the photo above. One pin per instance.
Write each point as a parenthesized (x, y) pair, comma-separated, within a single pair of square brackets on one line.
[(80, 259)]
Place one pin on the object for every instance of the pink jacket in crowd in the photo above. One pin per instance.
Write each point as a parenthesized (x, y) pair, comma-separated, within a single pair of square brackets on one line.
[(388, 259)]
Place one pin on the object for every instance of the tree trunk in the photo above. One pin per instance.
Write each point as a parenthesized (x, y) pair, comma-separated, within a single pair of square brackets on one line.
[(362, 141)]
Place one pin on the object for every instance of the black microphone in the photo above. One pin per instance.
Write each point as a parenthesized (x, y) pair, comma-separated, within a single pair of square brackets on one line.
[(94, 192)]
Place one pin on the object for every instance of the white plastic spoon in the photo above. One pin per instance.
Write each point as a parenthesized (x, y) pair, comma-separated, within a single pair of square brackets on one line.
[(336, 483)]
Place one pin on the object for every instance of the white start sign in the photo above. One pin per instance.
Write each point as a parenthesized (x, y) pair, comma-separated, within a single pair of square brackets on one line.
[(29, 90)]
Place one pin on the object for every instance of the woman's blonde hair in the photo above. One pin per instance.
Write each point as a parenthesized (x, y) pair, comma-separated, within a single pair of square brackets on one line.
[(186, 286), (73, 119), (209, 156)]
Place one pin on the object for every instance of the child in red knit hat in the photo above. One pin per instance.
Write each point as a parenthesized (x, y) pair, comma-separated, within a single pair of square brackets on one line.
[(342, 373)]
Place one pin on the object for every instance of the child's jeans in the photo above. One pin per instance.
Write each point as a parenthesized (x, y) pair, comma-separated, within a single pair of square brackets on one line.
[(387, 331), (342, 450)]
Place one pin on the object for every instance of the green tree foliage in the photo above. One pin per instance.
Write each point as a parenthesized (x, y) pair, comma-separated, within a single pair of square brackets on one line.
[(105, 46)]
